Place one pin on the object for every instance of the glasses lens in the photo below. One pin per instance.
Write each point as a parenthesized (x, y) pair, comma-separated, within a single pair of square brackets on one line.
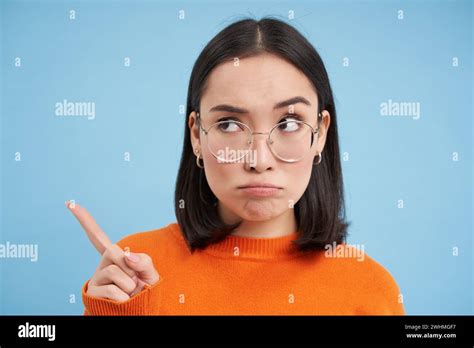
[(291, 140), (228, 140)]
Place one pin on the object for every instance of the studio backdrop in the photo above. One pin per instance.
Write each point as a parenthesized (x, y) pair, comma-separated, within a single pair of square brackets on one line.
[(93, 97)]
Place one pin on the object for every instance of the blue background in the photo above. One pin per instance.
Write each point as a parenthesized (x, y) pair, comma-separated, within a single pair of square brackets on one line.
[(138, 111)]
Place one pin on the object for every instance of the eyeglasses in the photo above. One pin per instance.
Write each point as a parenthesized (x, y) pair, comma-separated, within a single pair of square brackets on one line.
[(230, 140)]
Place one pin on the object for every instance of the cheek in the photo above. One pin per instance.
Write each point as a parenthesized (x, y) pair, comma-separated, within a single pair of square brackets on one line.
[(297, 178), (219, 176)]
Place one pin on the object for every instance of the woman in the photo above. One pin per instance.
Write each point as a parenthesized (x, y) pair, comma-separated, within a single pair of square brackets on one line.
[(259, 198)]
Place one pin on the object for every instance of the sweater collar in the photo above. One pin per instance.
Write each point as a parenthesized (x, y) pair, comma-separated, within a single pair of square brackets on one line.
[(255, 248)]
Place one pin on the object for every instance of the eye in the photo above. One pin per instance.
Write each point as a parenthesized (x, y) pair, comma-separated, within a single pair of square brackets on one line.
[(289, 124), (229, 126)]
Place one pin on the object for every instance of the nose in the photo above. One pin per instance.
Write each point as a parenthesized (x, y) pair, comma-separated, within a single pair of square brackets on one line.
[(260, 157)]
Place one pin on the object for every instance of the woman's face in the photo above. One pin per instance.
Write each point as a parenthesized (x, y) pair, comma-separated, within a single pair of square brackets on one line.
[(257, 84)]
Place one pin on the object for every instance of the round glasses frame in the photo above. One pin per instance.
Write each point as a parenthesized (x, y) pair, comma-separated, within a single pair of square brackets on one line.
[(269, 140)]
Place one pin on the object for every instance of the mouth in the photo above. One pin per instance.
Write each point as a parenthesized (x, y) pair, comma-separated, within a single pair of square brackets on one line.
[(260, 190)]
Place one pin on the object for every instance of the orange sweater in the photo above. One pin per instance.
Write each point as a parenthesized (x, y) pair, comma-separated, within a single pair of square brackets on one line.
[(252, 276)]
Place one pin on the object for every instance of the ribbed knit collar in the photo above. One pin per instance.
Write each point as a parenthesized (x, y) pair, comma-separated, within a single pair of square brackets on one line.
[(233, 246), (255, 248)]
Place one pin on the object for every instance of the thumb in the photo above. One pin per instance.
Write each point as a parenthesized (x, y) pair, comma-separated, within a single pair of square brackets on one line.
[(143, 265)]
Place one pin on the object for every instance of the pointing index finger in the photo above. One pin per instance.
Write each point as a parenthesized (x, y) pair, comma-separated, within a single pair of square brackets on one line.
[(98, 237)]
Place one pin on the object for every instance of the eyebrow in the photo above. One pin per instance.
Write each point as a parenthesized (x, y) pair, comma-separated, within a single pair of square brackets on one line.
[(282, 104)]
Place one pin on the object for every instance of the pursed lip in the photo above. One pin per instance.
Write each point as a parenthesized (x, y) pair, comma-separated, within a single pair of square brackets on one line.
[(262, 190), (259, 185)]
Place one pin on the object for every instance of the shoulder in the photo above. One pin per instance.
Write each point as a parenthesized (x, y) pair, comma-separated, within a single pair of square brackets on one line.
[(370, 281)]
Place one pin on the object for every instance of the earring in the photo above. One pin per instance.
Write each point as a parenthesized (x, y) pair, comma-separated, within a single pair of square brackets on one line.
[(198, 157), (320, 155)]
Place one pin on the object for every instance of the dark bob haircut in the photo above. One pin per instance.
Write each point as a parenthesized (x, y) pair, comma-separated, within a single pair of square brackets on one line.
[(320, 213)]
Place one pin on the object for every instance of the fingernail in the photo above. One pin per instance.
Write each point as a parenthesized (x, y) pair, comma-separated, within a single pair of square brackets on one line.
[(132, 257)]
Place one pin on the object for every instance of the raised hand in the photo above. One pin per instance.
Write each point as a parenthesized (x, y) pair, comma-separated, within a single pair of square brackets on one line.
[(120, 274)]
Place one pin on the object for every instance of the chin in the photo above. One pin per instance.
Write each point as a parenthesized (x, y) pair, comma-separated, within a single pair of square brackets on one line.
[(258, 210)]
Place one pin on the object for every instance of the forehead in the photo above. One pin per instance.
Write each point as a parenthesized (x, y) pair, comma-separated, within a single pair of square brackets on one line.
[(256, 82)]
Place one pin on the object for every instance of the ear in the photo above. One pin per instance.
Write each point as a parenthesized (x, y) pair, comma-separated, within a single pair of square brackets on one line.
[(324, 123), (194, 131)]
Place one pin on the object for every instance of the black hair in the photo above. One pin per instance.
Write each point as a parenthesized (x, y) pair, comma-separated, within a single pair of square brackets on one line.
[(320, 212)]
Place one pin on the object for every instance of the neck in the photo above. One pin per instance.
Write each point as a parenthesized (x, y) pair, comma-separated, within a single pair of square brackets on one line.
[(279, 226)]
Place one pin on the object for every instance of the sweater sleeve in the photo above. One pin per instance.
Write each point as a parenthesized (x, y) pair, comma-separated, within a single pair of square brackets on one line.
[(146, 302), (382, 293), (393, 300), (388, 291)]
